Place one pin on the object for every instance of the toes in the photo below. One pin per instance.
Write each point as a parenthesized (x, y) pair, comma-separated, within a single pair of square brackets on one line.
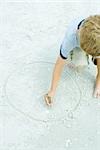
[(96, 95), (99, 95)]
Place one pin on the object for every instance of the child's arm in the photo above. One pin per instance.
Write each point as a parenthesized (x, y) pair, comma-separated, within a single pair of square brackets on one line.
[(56, 75), (55, 79), (97, 86)]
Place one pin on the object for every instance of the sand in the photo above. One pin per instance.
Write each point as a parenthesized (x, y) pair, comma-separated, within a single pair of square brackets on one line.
[(30, 41)]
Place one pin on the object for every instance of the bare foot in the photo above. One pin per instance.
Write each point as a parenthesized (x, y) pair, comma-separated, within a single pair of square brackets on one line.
[(97, 88)]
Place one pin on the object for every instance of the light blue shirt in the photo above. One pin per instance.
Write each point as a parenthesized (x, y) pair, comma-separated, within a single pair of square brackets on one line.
[(71, 39)]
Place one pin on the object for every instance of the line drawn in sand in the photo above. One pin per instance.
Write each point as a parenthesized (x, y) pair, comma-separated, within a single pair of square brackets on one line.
[(25, 87)]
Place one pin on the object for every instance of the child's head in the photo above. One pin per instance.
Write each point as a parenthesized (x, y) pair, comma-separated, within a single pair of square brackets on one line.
[(90, 35)]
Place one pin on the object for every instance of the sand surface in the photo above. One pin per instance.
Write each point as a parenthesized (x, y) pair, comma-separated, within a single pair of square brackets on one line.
[(30, 37)]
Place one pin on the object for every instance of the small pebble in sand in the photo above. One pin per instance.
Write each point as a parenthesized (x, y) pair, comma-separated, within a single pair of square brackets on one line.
[(98, 132), (66, 123), (49, 69), (47, 126), (47, 112), (68, 142), (70, 115)]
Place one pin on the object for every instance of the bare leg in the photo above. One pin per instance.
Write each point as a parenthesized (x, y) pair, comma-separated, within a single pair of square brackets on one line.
[(97, 86), (55, 78)]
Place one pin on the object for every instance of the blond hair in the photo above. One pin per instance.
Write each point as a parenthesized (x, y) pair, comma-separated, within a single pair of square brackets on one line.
[(90, 35)]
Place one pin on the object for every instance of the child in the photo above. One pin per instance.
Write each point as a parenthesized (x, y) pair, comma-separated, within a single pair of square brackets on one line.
[(83, 33)]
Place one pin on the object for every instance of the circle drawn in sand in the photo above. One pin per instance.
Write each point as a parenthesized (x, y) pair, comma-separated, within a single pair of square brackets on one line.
[(26, 86)]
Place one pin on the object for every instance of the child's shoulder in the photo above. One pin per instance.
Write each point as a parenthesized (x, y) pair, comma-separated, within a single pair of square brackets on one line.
[(74, 23), (76, 19)]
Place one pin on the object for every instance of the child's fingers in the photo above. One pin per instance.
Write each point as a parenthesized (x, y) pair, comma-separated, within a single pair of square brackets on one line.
[(48, 100), (95, 94), (99, 93)]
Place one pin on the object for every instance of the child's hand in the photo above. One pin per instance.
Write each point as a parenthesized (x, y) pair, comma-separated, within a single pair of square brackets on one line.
[(48, 100), (97, 92)]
